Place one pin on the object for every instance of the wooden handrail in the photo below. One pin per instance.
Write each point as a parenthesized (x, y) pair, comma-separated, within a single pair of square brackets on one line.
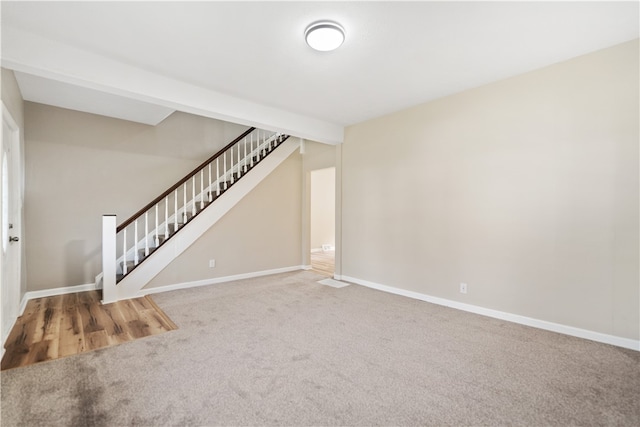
[(182, 181)]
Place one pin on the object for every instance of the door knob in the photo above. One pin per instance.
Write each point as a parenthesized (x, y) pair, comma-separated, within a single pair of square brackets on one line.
[(13, 239)]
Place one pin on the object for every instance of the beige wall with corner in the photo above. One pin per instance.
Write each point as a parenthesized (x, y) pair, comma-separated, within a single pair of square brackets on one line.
[(525, 189), (81, 166)]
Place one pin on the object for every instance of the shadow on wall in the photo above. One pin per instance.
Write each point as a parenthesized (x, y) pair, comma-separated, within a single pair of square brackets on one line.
[(75, 256)]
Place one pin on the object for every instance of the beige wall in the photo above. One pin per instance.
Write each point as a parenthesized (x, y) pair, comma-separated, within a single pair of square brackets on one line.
[(318, 156), (323, 207), (262, 232), (80, 166), (525, 189), (12, 99)]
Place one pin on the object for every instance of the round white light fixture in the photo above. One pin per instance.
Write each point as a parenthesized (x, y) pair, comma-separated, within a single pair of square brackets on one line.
[(324, 35)]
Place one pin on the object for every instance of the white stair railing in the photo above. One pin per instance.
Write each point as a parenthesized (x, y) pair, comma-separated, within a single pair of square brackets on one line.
[(136, 238)]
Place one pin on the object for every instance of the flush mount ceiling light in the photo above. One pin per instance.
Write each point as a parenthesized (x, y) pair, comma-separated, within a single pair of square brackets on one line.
[(324, 35)]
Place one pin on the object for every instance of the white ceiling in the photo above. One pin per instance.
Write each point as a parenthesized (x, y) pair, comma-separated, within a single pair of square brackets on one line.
[(247, 61)]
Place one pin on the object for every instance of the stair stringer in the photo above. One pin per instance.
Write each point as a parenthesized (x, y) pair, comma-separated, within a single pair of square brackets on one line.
[(131, 286)]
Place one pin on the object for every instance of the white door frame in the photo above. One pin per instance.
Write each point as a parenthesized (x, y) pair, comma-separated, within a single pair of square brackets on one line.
[(306, 207), (10, 251)]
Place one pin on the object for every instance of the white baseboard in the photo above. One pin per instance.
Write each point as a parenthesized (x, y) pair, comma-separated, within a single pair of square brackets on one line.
[(216, 280), (54, 291), (515, 318), (307, 267)]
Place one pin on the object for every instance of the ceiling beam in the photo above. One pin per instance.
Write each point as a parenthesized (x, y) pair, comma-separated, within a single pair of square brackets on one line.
[(42, 57)]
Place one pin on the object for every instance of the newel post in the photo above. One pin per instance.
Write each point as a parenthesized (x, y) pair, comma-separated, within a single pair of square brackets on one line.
[(109, 292)]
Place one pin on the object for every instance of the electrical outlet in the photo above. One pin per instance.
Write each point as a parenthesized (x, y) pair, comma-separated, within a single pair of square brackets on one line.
[(212, 263), (463, 288)]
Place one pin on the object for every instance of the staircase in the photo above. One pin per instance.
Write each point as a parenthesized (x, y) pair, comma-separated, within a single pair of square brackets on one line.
[(140, 247)]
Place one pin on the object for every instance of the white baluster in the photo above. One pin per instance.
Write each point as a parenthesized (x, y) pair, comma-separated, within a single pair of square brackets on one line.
[(124, 251), (166, 217), (257, 146), (146, 233), (260, 143), (231, 165), (135, 242), (209, 186), (225, 171), (193, 196), (157, 234), (217, 176), (251, 149), (245, 154), (184, 206), (175, 211), (202, 189), (239, 162)]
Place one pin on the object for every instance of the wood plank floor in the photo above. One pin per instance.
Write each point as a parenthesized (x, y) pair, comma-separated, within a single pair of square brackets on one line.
[(63, 325), (324, 262)]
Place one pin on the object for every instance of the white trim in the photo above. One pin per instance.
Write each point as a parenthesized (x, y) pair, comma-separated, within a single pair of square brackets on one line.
[(23, 305), (14, 144), (217, 280), (515, 318), (55, 291), (307, 267)]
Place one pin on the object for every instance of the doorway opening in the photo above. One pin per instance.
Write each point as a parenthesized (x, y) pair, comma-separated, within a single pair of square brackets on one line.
[(323, 221)]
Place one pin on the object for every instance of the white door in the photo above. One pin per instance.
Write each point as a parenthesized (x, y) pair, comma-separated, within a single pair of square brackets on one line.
[(11, 206)]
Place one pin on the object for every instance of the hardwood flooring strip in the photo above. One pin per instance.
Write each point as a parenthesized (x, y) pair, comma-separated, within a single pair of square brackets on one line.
[(97, 339), (117, 332), (128, 310), (168, 323), (142, 303), (69, 301), (41, 351), (65, 325), (323, 262)]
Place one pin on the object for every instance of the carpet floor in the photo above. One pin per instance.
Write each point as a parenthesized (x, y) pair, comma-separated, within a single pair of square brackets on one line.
[(286, 350)]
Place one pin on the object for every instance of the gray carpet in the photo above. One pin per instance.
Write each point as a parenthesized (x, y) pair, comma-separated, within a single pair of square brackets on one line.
[(285, 350)]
